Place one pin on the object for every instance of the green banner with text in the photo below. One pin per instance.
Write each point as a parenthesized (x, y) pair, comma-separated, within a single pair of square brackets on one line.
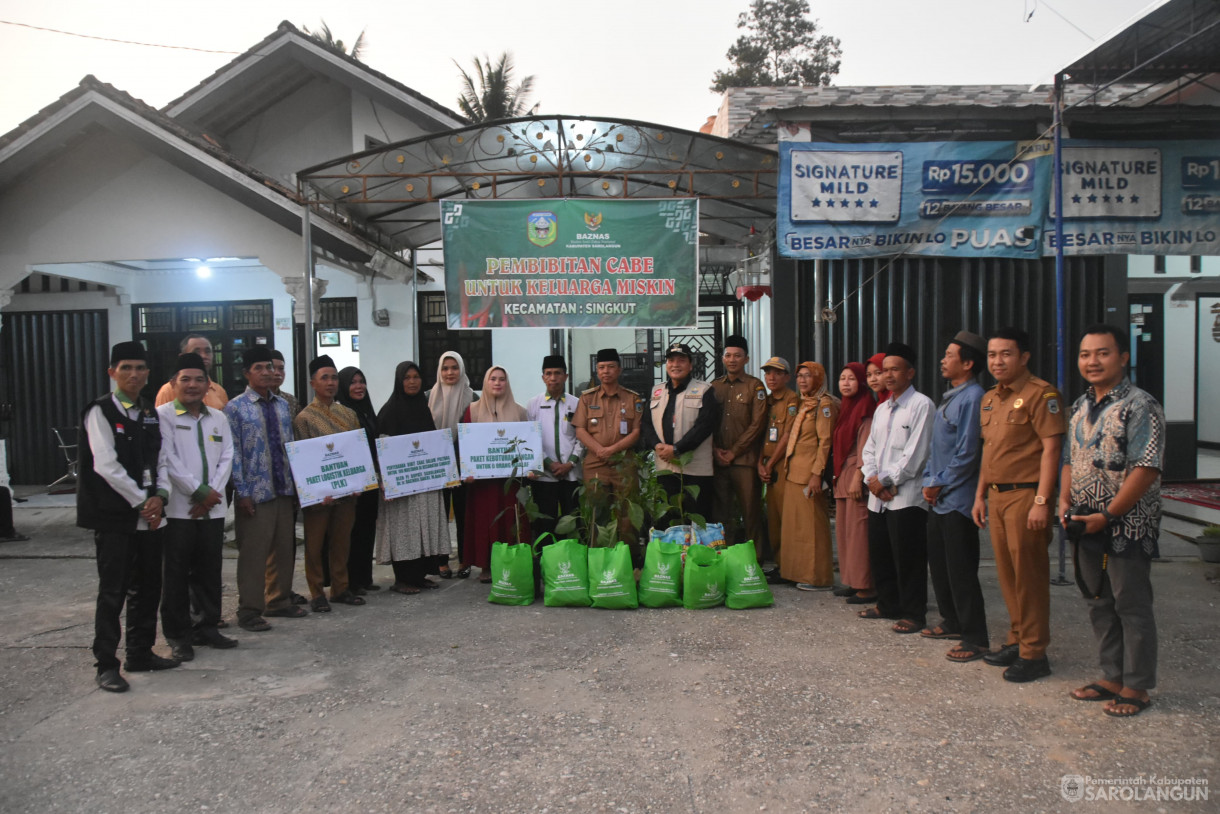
[(571, 263)]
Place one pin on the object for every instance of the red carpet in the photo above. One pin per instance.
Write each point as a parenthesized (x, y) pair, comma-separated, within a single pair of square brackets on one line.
[(1200, 494)]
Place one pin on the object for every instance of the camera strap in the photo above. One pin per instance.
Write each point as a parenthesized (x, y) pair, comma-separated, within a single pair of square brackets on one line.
[(1085, 590)]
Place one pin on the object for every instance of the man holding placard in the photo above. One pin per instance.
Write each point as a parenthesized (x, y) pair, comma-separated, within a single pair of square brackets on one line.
[(332, 519), (555, 487)]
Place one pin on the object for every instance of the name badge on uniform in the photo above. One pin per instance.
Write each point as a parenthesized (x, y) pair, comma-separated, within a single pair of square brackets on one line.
[(218, 439), (773, 434), (147, 479), (622, 427)]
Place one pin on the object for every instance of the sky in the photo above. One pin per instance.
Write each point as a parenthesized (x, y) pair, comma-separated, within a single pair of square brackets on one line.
[(650, 60)]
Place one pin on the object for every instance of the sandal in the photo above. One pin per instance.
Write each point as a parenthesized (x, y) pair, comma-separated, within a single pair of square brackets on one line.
[(1100, 693), (938, 632), (1123, 701), (348, 598), (465, 572), (319, 605), (402, 588), (905, 626), (445, 573), (870, 613), (856, 599), (966, 652)]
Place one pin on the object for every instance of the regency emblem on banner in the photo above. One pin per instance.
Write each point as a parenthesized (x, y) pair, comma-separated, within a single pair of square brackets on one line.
[(593, 222), (542, 228)]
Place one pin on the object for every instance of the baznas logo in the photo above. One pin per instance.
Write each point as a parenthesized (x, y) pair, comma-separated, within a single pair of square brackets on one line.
[(662, 569), (565, 568), (542, 228), (608, 577), (593, 222), (504, 575), (750, 571)]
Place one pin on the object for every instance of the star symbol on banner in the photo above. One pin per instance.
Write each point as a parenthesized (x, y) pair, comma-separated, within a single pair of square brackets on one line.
[(1076, 199), (859, 204), (843, 203), (1118, 198), (1105, 198), (816, 202), (830, 202), (1135, 199), (1092, 199), (874, 203)]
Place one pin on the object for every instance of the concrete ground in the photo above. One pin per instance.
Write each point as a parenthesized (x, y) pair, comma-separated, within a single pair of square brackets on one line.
[(443, 702)]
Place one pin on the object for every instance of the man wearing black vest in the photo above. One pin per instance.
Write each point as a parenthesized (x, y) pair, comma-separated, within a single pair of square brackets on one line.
[(121, 500)]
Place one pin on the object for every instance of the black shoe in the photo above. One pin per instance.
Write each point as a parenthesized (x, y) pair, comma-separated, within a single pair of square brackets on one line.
[(210, 637), (1024, 670), (182, 651), (111, 681), (297, 599), (150, 663), (1004, 657), (254, 624), (845, 590)]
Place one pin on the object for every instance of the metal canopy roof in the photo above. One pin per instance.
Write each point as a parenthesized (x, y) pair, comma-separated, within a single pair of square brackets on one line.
[(392, 192), (1174, 39)]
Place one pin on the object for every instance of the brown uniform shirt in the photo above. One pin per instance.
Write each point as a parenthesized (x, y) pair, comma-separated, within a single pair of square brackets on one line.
[(608, 419), (782, 406), (743, 416), (1014, 422)]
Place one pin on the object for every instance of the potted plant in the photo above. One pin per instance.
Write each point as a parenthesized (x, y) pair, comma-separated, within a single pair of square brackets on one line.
[(1209, 543)]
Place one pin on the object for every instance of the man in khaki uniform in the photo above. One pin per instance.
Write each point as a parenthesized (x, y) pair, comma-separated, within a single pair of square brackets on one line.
[(736, 442), (782, 406), (1022, 424), (607, 421)]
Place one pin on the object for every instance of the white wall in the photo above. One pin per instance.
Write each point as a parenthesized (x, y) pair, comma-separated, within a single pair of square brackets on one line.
[(520, 351), (381, 123)]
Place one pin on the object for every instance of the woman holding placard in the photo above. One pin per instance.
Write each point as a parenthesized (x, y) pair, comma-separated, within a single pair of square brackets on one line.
[(412, 531), (491, 508), (448, 401), (354, 394)]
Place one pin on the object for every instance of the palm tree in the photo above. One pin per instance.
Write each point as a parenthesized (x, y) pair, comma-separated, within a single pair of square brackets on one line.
[(494, 96), (324, 36)]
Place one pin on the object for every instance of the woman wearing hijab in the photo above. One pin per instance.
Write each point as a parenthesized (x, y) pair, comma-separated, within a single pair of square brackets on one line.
[(354, 393), (448, 401), (490, 510), (806, 555), (412, 531), (851, 507)]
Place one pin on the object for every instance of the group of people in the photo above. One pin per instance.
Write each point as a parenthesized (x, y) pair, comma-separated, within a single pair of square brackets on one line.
[(912, 482)]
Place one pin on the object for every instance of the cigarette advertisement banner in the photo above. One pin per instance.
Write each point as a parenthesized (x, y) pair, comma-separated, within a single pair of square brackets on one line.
[(995, 199), (331, 466), (1138, 197), (419, 462), (948, 199), (506, 450), (579, 263)]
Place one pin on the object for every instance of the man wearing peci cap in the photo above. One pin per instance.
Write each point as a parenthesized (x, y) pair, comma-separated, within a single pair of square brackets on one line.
[(892, 463), (555, 488), (262, 483), (736, 442), (949, 482), (607, 421), (782, 407), (681, 417), (120, 497), (330, 521), (1022, 425), (198, 447)]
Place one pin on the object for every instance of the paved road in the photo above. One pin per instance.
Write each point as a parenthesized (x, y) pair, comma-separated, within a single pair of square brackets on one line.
[(442, 702)]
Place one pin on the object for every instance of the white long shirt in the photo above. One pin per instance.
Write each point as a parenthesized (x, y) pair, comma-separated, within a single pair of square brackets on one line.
[(106, 463), (897, 450), (198, 452), (555, 415)]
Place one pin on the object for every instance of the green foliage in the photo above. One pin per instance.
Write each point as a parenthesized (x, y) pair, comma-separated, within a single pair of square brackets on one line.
[(494, 96), (781, 48), (1211, 531), (525, 495), (324, 36)]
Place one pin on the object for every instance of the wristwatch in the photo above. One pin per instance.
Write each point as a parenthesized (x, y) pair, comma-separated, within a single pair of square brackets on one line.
[(1039, 500), (1110, 518)]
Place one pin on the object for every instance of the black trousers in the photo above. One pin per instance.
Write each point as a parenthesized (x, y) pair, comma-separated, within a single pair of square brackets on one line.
[(364, 534), (6, 514), (128, 572), (411, 572), (553, 498), (192, 573), (702, 504), (898, 555), (953, 562)]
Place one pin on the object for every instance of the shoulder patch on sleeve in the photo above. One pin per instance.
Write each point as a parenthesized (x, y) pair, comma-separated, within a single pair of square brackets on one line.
[(791, 409), (826, 412), (1052, 405), (760, 394)]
